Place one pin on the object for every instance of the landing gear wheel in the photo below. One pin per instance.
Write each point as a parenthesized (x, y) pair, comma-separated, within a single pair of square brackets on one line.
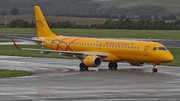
[(83, 67), (113, 65), (110, 65), (86, 68), (154, 70)]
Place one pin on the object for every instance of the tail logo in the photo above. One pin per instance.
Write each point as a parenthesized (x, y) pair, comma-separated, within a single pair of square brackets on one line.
[(40, 23)]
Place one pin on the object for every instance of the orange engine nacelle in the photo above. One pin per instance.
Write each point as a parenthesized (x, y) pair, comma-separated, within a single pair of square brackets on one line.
[(135, 63), (92, 61)]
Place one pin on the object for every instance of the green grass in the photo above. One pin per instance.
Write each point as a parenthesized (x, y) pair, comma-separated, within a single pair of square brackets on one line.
[(175, 52), (144, 34), (13, 73), (105, 33), (5, 41), (12, 51), (17, 30)]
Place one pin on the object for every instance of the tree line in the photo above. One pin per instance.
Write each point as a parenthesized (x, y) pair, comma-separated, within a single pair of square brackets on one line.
[(108, 24), (141, 24)]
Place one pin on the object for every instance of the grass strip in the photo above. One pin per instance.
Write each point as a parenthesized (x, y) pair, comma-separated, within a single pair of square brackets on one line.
[(104, 33), (5, 41), (175, 52), (13, 73)]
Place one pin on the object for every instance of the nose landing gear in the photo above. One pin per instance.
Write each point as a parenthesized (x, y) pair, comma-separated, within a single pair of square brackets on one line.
[(154, 70)]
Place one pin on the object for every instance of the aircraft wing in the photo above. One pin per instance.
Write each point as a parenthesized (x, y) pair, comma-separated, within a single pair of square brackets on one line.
[(78, 54)]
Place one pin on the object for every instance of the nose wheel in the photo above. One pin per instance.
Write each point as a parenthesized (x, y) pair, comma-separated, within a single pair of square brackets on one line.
[(154, 70)]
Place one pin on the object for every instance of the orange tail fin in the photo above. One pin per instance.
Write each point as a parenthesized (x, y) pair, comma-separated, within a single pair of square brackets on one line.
[(43, 29)]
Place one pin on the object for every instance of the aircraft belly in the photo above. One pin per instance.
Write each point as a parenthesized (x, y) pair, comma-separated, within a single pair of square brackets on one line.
[(111, 58)]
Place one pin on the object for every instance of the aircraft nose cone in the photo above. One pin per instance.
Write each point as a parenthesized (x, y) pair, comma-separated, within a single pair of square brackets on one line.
[(169, 58)]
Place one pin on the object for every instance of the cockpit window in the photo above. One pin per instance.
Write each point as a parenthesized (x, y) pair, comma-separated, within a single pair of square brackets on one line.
[(155, 48), (161, 48)]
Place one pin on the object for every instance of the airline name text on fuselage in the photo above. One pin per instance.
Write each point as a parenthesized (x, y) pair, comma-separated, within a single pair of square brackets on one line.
[(119, 43)]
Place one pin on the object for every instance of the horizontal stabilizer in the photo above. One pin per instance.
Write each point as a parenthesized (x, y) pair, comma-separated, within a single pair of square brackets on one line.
[(22, 38)]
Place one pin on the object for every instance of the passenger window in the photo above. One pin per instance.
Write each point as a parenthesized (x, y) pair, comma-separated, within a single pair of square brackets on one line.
[(155, 48)]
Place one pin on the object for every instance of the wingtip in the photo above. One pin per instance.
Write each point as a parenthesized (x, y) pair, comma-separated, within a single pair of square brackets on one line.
[(15, 44)]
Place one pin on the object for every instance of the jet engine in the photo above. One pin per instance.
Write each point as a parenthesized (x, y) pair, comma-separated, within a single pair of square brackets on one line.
[(135, 63), (92, 61)]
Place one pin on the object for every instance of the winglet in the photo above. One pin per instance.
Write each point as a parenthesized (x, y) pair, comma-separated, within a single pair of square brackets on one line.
[(15, 44)]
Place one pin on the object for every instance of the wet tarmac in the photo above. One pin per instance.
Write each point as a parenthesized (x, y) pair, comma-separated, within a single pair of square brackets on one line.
[(61, 80)]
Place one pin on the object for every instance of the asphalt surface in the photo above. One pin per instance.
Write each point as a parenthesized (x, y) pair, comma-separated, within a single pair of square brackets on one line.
[(61, 80)]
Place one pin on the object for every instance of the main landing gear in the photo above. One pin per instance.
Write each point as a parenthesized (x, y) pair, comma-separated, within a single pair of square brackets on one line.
[(83, 67), (154, 70), (113, 65)]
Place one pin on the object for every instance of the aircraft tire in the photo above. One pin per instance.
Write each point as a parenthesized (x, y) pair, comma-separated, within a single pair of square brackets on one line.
[(83, 67), (155, 70), (113, 65)]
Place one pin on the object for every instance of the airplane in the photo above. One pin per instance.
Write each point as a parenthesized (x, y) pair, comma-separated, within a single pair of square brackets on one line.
[(93, 51)]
